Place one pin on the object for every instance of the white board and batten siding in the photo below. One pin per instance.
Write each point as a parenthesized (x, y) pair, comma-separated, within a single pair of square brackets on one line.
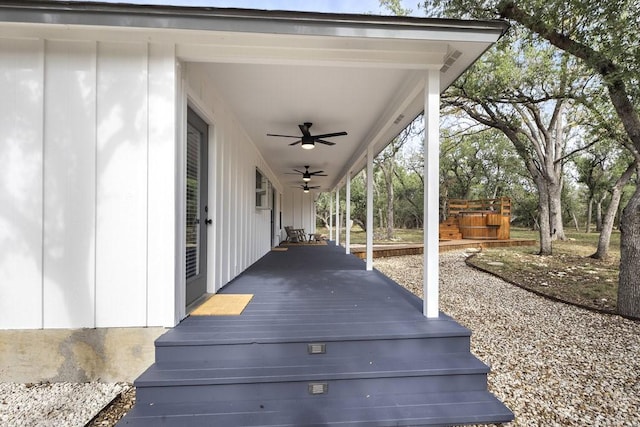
[(299, 210), (242, 232), (90, 185), (87, 184)]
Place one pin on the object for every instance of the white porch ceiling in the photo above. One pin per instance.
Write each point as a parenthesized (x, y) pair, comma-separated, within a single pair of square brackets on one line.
[(276, 98), (370, 88)]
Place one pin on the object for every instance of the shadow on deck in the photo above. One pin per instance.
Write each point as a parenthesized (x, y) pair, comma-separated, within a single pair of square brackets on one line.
[(323, 342)]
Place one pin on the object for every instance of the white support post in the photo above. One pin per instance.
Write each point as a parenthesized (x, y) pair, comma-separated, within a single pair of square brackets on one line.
[(370, 209), (338, 216), (431, 194), (330, 218), (347, 215)]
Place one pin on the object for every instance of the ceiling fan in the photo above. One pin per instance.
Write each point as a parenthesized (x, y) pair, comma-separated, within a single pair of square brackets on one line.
[(308, 141), (306, 175), (306, 188)]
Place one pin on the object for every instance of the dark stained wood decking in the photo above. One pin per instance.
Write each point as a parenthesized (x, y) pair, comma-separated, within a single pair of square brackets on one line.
[(383, 363)]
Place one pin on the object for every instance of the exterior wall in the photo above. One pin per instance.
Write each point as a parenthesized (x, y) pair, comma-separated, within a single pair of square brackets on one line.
[(76, 355), (87, 184), (240, 233), (299, 210)]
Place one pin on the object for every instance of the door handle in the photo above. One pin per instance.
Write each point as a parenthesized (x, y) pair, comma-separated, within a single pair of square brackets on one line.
[(208, 221)]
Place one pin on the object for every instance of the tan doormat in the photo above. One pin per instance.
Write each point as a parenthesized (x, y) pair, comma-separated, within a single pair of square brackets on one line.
[(279, 249), (223, 305)]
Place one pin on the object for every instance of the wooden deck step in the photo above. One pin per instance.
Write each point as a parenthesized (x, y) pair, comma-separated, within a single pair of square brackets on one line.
[(291, 377), (321, 344), (400, 409), (210, 339), (450, 229)]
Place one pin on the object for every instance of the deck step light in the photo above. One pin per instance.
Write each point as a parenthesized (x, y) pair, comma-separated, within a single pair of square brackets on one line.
[(318, 388), (317, 348)]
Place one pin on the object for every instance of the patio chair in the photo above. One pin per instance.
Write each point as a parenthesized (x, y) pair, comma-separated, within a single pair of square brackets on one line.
[(294, 235)]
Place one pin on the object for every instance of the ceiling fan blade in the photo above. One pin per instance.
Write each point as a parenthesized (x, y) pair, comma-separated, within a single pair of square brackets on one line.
[(329, 135), (318, 174), (297, 142), (291, 173), (284, 136), (325, 142), (305, 129), (299, 171), (315, 173)]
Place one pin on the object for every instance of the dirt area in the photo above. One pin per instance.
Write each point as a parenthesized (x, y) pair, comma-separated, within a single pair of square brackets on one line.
[(571, 277)]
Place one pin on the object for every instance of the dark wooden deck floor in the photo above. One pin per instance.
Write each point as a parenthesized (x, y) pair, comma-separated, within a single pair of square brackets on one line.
[(381, 355)]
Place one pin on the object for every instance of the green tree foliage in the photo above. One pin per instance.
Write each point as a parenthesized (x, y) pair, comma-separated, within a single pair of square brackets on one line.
[(604, 36), (525, 91)]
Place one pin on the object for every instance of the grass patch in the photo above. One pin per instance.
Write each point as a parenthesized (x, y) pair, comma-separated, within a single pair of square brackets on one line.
[(359, 236), (569, 274)]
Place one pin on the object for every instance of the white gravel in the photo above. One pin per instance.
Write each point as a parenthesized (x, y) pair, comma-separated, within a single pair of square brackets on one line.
[(552, 364), (54, 404)]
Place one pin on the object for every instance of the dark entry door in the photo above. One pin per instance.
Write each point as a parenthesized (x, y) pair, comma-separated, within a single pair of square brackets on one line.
[(196, 206)]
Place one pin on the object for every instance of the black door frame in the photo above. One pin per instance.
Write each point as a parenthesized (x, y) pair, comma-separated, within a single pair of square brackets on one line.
[(196, 285)]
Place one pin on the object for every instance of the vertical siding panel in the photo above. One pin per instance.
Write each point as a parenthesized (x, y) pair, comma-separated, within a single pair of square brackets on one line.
[(212, 248), (121, 233), (21, 187), (219, 206), (162, 186), (233, 206), (226, 210), (69, 185)]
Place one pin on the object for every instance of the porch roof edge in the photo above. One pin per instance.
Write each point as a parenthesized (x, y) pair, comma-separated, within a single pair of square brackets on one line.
[(236, 19)]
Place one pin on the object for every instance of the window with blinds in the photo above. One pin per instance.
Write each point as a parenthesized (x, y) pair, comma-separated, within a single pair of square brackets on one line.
[(193, 202)]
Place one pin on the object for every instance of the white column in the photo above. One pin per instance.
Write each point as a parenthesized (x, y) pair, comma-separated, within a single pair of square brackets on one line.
[(330, 217), (338, 216), (370, 208), (347, 215), (431, 193)]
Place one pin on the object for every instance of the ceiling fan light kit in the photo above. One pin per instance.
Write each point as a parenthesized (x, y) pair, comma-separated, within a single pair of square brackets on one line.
[(307, 140)]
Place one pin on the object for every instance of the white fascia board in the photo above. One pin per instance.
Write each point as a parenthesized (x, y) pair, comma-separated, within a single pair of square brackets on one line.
[(248, 21)]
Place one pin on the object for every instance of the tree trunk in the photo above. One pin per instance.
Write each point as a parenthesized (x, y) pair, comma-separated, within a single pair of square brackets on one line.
[(360, 224), (575, 221), (589, 211), (388, 167), (545, 226), (607, 226), (555, 211), (629, 282), (599, 214)]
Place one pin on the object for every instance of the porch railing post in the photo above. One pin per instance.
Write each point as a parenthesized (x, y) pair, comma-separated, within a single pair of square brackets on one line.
[(431, 193), (347, 215), (370, 208), (330, 216), (338, 216)]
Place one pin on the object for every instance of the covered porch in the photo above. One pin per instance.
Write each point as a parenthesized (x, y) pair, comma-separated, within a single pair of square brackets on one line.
[(324, 341)]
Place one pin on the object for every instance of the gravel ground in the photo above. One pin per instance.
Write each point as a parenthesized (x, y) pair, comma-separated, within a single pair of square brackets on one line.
[(54, 404), (552, 364)]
